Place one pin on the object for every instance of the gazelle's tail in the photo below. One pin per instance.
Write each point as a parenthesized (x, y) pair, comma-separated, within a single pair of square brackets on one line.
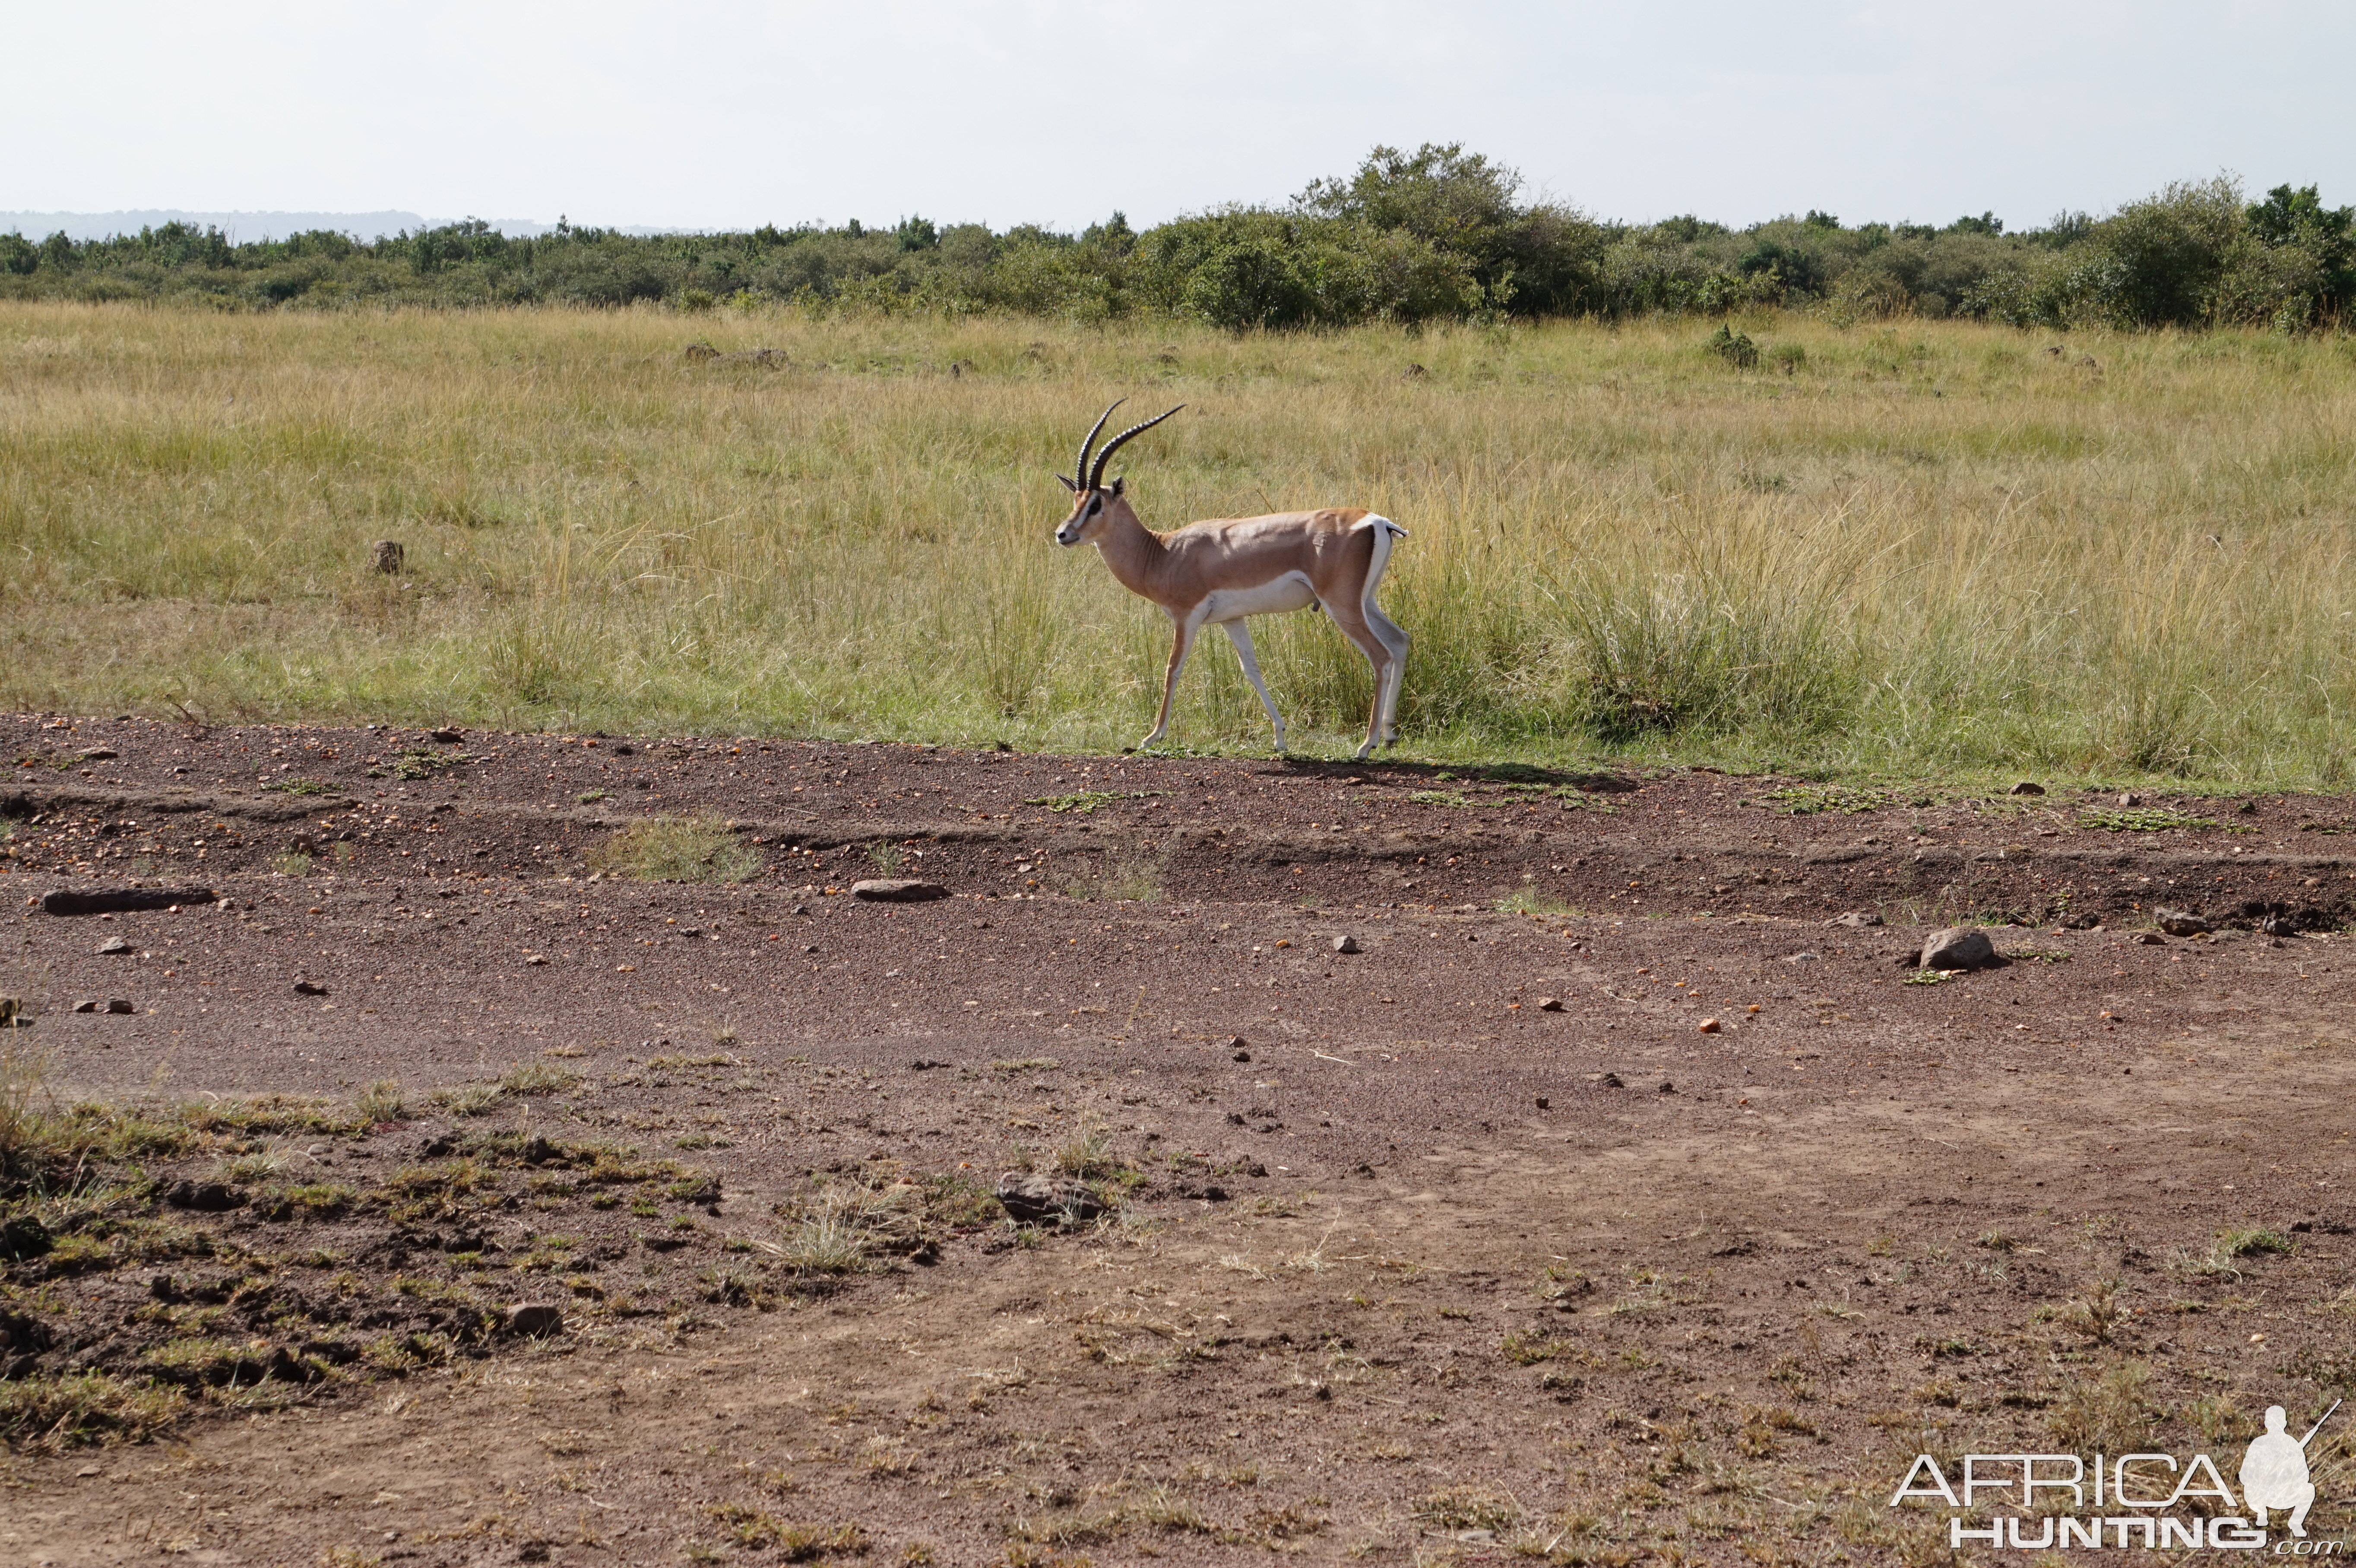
[(1385, 530)]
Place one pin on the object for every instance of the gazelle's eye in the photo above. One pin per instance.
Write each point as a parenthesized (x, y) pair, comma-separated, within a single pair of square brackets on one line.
[(1096, 504)]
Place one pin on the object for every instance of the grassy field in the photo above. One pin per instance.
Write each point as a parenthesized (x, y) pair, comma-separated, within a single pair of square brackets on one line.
[(1917, 548)]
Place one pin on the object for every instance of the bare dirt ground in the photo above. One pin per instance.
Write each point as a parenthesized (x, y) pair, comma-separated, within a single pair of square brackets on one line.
[(1402, 1264)]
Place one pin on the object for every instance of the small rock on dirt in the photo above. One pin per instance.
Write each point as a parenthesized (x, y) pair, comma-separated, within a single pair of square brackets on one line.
[(1708, 1026), (2131, 800), (2275, 925), (1035, 1197), (1612, 1081), (897, 890), (1550, 1004), (1243, 1056), (1541, 1100), (97, 754), (926, 1063), (1856, 919), (1346, 945), (2148, 939), (2025, 786), (2181, 922), (1958, 947), (309, 988), (115, 944), (536, 1318)]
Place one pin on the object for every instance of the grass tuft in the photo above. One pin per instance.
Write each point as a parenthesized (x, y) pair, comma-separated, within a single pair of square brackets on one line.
[(47, 1414), (678, 850), (382, 1102)]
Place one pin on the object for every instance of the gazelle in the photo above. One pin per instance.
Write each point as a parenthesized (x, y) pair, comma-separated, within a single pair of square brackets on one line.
[(1216, 572)]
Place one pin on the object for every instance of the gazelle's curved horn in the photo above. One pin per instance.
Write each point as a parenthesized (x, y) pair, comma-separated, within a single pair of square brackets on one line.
[(1080, 474), (1114, 446)]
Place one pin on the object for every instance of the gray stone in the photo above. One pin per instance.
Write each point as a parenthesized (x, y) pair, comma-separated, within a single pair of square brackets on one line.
[(1346, 945), (1958, 947), (897, 890), (535, 1318), (1856, 919), (113, 945), (1550, 1004), (97, 754), (2148, 939), (1035, 1197), (309, 988), (2181, 923)]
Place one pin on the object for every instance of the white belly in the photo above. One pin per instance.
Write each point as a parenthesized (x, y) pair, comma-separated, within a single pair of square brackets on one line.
[(1290, 591)]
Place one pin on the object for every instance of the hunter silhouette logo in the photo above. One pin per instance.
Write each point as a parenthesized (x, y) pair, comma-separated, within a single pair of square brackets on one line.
[(2130, 1499), (2274, 1470)]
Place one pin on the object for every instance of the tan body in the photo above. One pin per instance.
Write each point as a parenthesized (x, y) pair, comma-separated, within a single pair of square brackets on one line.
[(1220, 572)]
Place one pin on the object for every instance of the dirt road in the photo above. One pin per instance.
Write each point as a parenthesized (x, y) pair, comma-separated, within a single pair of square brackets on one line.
[(1656, 1218)]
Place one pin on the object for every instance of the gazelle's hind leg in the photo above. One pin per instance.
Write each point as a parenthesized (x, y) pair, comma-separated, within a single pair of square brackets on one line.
[(1390, 670), (1395, 642), (1180, 648), (1240, 634), (1378, 654)]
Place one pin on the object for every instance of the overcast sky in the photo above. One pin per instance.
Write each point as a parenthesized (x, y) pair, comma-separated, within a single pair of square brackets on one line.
[(726, 115)]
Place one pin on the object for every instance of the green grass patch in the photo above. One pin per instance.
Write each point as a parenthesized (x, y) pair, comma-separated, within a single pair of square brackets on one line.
[(678, 850), (79, 1409), (420, 763), (2152, 820)]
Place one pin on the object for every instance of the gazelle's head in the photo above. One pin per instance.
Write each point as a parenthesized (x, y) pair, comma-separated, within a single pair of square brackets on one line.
[(1094, 503)]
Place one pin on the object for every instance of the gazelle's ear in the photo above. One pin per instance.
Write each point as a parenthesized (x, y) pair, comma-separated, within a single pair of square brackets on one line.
[(1066, 482), (1116, 484)]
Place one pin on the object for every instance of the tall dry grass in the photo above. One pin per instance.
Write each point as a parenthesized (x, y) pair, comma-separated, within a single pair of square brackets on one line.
[(1917, 547)]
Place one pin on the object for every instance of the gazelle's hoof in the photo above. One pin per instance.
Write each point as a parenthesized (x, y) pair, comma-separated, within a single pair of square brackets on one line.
[(1364, 750)]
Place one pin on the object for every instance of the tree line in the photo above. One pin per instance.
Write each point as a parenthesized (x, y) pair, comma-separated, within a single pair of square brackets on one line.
[(1438, 234)]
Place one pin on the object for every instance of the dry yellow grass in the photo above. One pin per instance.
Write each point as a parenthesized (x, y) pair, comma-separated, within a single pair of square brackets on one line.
[(1920, 547)]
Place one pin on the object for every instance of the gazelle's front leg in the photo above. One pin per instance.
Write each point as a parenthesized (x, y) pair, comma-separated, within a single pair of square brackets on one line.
[(1183, 644), (1240, 634)]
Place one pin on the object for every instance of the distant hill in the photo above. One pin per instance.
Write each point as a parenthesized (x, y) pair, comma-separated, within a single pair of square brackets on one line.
[(240, 227)]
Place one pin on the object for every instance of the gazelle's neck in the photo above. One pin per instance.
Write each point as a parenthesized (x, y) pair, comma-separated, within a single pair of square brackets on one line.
[(1133, 551)]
